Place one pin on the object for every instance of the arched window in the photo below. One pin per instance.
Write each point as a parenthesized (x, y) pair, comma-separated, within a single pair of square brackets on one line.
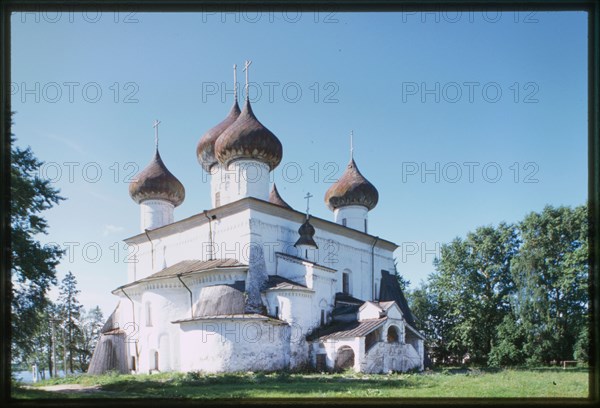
[(392, 335), (346, 283), (156, 360)]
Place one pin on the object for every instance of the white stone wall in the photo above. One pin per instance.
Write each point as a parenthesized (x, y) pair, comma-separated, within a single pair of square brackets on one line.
[(232, 237), (155, 214), (354, 216), (243, 178), (233, 345), (335, 251)]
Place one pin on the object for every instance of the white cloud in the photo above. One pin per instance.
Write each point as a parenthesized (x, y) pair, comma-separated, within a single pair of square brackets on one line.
[(111, 229)]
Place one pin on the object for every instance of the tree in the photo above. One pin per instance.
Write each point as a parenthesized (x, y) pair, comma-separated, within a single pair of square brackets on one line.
[(551, 271), (43, 341), (471, 289), (430, 318), (70, 313), (33, 268)]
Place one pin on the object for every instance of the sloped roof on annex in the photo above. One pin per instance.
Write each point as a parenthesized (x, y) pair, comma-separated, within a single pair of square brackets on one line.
[(345, 330), (279, 282), (189, 266)]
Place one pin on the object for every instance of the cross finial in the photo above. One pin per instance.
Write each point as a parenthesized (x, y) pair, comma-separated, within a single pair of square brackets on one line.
[(234, 82), (155, 126), (308, 196), (351, 144), (246, 66)]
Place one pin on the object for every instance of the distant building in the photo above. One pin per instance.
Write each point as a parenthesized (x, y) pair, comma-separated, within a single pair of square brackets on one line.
[(253, 284)]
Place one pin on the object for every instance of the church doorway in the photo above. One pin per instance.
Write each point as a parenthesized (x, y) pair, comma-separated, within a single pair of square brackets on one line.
[(345, 358)]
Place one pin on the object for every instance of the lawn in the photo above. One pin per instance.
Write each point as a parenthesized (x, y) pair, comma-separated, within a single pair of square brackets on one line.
[(466, 383)]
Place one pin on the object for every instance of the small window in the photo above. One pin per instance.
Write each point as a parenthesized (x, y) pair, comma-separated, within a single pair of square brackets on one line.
[(365, 225), (156, 360), (306, 253), (322, 317), (344, 222), (346, 283), (218, 199), (277, 311), (133, 363)]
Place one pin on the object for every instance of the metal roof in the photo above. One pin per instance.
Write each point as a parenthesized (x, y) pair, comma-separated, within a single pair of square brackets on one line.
[(345, 298), (346, 330), (186, 267), (220, 300), (390, 291), (279, 282), (243, 316)]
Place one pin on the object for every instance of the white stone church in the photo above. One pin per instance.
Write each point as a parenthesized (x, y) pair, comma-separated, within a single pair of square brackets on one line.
[(253, 284)]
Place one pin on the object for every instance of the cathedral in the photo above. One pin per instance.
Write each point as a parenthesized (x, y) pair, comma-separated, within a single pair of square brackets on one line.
[(253, 284)]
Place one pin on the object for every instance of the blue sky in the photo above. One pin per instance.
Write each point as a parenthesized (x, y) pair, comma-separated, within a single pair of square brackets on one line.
[(459, 120)]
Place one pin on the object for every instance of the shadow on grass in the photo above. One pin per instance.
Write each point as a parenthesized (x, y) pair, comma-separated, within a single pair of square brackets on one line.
[(232, 386), (238, 386)]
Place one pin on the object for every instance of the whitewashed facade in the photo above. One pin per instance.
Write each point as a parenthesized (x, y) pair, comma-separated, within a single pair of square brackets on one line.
[(229, 290)]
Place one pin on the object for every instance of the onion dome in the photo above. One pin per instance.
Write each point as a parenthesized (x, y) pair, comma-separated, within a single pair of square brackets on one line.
[(351, 189), (307, 232), (247, 138), (156, 182), (275, 198), (205, 150)]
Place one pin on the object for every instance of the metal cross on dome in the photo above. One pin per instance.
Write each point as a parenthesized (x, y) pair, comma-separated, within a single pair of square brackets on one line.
[(351, 145), (155, 126), (235, 82), (246, 66), (308, 196)]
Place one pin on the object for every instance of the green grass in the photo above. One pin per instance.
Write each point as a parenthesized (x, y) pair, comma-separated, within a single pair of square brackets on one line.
[(468, 383)]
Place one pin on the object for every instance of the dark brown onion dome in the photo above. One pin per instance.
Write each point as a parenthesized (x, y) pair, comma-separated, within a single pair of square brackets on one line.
[(275, 198), (247, 138), (307, 232), (351, 189), (205, 150), (156, 182)]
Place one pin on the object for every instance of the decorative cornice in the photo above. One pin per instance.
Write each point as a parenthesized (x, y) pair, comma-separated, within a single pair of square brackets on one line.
[(266, 208)]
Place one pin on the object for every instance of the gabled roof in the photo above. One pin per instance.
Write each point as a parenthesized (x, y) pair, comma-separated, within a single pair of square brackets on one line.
[(345, 330), (390, 291), (279, 282)]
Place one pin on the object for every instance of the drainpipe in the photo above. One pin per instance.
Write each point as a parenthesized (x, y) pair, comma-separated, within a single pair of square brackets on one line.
[(137, 353), (191, 297), (373, 267), (151, 248), (210, 235)]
